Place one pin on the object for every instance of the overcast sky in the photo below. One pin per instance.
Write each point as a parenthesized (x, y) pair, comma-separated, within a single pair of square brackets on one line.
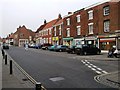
[(32, 13)]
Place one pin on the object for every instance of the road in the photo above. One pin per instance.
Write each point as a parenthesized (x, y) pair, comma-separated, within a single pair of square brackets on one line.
[(59, 70)]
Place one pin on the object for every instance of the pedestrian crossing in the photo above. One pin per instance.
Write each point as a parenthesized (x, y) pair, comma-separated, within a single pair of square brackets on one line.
[(93, 67)]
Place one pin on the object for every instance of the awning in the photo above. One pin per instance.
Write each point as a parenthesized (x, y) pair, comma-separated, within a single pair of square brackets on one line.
[(107, 40), (68, 39)]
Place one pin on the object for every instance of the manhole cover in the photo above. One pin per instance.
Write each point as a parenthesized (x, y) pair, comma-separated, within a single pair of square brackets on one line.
[(56, 79)]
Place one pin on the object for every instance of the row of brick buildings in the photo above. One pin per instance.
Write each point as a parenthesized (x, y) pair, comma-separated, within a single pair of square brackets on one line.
[(98, 24)]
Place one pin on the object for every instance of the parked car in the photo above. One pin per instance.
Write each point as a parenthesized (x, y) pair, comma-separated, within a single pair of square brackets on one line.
[(5, 46), (70, 49), (61, 48), (52, 48), (38, 46), (31, 46), (45, 46), (87, 49)]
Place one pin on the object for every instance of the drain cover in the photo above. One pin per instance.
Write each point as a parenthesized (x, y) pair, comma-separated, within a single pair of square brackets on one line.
[(56, 79)]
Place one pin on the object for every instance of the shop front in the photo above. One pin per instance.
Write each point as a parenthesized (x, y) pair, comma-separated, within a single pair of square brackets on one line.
[(92, 40), (68, 41), (55, 40), (106, 42)]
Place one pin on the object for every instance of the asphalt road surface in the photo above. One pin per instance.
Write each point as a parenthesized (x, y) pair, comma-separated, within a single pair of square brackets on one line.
[(56, 70)]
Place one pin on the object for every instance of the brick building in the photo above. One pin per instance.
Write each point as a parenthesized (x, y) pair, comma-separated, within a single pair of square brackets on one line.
[(23, 36), (95, 24), (57, 31), (48, 32)]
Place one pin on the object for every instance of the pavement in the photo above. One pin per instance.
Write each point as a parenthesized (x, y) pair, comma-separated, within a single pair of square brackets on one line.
[(19, 80)]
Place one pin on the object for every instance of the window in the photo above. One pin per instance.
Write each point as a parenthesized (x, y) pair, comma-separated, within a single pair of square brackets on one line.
[(55, 31), (106, 25), (90, 14), (78, 18), (50, 40), (50, 31), (21, 35), (60, 32), (90, 28), (68, 21), (78, 30), (68, 32), (106, 10)]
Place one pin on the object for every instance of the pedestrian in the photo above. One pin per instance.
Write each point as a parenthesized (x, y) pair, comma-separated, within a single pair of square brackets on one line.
[(26, 46)]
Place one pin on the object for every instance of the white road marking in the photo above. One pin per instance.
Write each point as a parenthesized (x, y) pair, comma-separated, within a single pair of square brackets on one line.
[(99, 68), (90, 66), (93, 67), (56, 79), (98, 72), (104, 72)]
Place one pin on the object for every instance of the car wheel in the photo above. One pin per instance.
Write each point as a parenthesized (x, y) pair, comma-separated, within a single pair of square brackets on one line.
[(98, 52), (60, 50), (85, 53)]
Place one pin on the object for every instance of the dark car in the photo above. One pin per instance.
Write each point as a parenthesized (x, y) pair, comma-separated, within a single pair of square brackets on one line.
[(61, 48), (70, 49), (5, 46), (45, 46), (87, 49)]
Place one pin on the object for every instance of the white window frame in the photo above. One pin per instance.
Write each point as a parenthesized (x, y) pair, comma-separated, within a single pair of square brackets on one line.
[(90, 28), (78, 18), (107, 26), (78, 30), (60, 30), (68, 21), (90, 14), (106, 10), (54, 31), (49, 31), (68, 32)]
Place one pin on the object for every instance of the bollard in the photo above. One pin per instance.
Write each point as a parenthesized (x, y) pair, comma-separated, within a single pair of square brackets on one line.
[(11, 71), (3, 53), (5, 59), (38, 86)]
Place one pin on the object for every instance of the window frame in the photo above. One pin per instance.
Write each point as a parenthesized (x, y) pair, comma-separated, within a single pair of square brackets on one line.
[(106, 26), (90, 30)]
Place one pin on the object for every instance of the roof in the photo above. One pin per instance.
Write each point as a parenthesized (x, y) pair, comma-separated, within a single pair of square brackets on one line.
[(50, 24), (59, 22), (11, 36), (40, 28)]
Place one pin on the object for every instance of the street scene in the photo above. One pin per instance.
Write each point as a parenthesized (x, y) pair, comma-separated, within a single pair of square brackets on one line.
[(77, 50)]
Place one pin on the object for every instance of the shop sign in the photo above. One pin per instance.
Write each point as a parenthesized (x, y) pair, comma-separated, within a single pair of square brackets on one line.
[(55, 38)]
